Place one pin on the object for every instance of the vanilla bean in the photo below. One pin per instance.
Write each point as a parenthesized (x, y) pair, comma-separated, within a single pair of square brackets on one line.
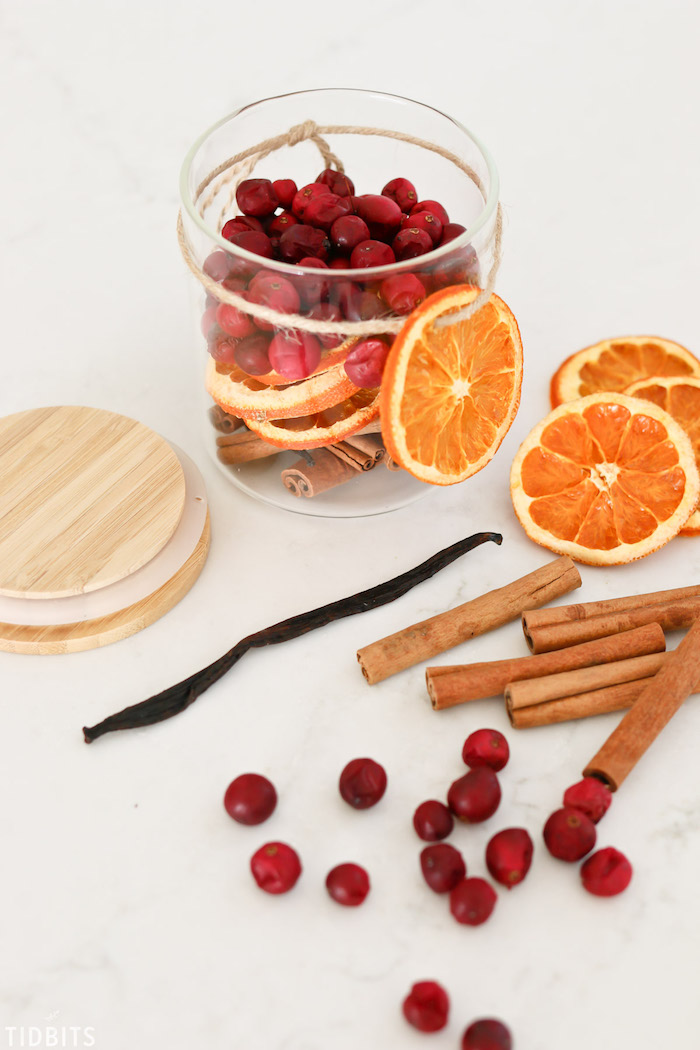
[(176, 698)]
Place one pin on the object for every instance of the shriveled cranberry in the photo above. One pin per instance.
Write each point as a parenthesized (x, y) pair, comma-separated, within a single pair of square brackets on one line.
[(250, 798), (275, 867), (346, 295), (365, 362), (208, 319), (487, 1034), (475, 796), (299, 242), (382, 215), (279, 223), (304, 196), (337, 182), (403, 292), (250, 223), (402, 192), (411, 242), (427, 1006), (253, 241), (435, 207), (590, 796), (222, 347), (256, 197), (362, 783), (371, 253), (569, 834), (426, 221), (606, 872), (509, 856), (472, 901), (323, 211), (235, 284), (462, 268), (277, 293), (443, 867), (370, 305), (311, 289), (233, 321), (348, 231), (234, 226), (326, 312), (251, 355), (451, 231), (432, 821), (285, 190), (348, 884), (294, 354), (486, 747), (217, 265)]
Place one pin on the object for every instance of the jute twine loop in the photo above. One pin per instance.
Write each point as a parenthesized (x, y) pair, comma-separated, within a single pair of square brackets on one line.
[(234, 170)]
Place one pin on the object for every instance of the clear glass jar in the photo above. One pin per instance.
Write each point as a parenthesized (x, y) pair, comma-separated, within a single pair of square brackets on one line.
[(251, 410)]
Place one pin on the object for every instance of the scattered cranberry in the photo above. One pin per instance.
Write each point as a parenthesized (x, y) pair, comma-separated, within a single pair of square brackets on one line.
[(371, 253), (402, 192), (426, 221), (298, 242), (293, 354), (403, 292), (251, 355), (285, 190), (234, 321), (275, 292), (569, 834), (304, 196), (253, 241), (486, 747), (217, 265), (475, 796), (348, 231), (362, 783), (348, 884), (432, 821), (451, 231), (443, 867), (509, 856), (324, 210), (250, 798), (590, 796), (222, 347), (472, 901), (382, 215), (365, 362), (410, 243), (427, 1006), (336, 182), (606, 872), (275, 867), (326, 312), (279, 223), (256, 197), (487, 1034), (435, 208)]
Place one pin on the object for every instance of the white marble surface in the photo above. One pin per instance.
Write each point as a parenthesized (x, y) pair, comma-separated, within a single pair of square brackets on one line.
[(130, 918)]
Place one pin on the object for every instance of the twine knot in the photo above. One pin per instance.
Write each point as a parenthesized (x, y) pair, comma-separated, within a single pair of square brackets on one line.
[(301, 132)]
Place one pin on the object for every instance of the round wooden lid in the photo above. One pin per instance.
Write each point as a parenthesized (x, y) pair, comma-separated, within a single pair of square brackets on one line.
[(86, 498)]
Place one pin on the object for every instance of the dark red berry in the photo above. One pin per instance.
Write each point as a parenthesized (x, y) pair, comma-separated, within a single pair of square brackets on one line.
[(487, 1034), (451, 231), (509, 856), (362, 783), (486, 747), (234, 226), (475, 796), (293, 354), (370, 305), (275, 867), (253, 241), (427, 1006), (371, 253), (432, 821), (233, 321), (472, 901), (606, 873), (590, 796), (250, 798), (348, 884), (569, 834), (222, 347), (304, 196), (311, 289), (251, 355), (279, 294), (337, 182), (346, 295), (299, 242), (340, 262), (279, 223), (426, 221), (382, 215), (402, 192), (326, 312), (403, 292), (256, 197), (348, 231), (365, 362), (249, 222), (285, 190), (218, 265), (323, 211), (411, 242), (433, 206), (443, 867), (208, 319)]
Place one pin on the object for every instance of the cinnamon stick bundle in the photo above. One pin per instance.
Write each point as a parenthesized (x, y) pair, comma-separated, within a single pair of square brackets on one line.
[(533, 691), (584, 610), (354, 457), (326, 472), (580, 705), (422, 640), (457, 684), (242, 446)]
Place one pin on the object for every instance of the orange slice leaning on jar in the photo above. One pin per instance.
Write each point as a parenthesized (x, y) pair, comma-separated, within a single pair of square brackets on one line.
[(606, 479)]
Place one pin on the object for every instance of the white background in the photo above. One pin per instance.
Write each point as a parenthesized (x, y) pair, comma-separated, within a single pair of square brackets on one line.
[(127, 903)]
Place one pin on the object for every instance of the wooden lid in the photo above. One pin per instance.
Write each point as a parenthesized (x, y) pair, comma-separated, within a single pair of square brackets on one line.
[(86, 498)]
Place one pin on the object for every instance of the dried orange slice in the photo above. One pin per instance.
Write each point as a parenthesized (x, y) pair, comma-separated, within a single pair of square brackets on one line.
[(320, 428), (606, 479), (449, 394), (330, 358), (242, 395), (680, 396), (613, 364)]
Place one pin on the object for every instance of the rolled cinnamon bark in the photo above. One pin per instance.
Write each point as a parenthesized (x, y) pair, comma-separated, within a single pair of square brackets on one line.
[(457, 684), (582, 705), (370, 444), (422, 640), (570, 683), (243, 447), (584, 610), (327, 472), (223, 421), (354, 457)]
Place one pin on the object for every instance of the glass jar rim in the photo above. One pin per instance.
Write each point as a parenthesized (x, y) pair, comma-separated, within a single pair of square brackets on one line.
[(462, 241)]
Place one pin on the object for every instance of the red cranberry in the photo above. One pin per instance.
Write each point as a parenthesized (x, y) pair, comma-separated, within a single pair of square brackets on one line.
[(348, 231), (509, 856), (208, 320), (475, 796), (443, 867), (311, 289), (277, 293), (370, 305), (256, 197), (235, 284), (326, 312), (304, 196), (249, 222), (365, 362), (222, 347), (218, 265), (251, 355), (432, 821), (590, 796), (279, 223), (411, 242), (486, 747), (472, 901), (362, 783), (451, 231), (285, 190), (382, 215), (346, 295), (402, 192), (337, 182), (487, 1034), (233, 226), (340, 262), (569, 834), (250, 798), (323, 211), (275, 867), (426, 221), (606, 872), (253, 241), (294, 355), (427, 1006), (403, 292), (348, 884), (299, 242), (433, 206), (234, 321), (371, 253)]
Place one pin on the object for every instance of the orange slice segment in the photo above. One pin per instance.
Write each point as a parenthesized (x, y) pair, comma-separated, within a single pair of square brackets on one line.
[(320, 428), (680, 396), (606, 479), (613, 364), (450, 393), (242, 395)]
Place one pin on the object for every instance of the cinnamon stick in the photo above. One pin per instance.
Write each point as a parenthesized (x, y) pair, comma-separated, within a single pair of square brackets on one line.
[(570, 683), (371, 444), (661, 697), (223, 421), (584, 610), (457, 684), (354, 457), (582, 705), (327, 472), (422, 640), (243, 447)]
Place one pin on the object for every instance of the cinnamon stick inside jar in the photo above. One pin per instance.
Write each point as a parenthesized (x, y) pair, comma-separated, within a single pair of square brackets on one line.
[(422, 640), (326, 472), (457, 684), (242, 446)]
